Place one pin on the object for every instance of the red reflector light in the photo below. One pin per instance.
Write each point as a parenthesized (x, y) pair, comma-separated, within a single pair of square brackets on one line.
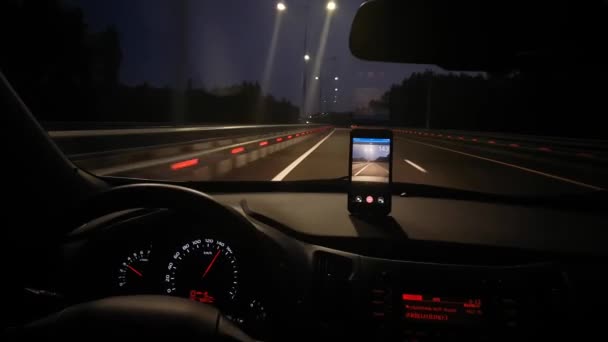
[(461, 138), (289, 137), (475, 140), (298, 134), (514, 145), (279, 139), (491, 142), (544, 149), (184, 164), (414, 297), (263, 143), (237, 150)]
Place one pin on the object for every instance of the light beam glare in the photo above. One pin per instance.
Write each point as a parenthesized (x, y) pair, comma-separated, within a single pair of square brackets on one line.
[(314, 88), (271, 55), (260, 111)]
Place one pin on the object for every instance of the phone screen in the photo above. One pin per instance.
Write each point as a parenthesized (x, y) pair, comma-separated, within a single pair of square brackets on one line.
[(370, 172), (371, 159)]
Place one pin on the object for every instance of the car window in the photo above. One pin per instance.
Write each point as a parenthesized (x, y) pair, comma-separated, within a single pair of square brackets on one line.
[(241, 90)]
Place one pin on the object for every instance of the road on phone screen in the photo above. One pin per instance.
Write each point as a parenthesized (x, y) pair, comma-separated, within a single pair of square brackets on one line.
[(370, 171), (426, 161)]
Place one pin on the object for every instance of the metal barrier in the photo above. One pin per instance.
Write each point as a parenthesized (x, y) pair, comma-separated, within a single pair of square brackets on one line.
[(200, 152), (77, 142), (576, 149)]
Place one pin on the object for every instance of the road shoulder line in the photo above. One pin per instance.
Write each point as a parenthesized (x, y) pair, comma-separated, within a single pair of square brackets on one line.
[(362, 169), (567, 180), (300, 159)]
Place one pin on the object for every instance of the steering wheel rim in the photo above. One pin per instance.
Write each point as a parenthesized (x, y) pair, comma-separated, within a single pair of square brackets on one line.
[(152, 316), (150, 195)]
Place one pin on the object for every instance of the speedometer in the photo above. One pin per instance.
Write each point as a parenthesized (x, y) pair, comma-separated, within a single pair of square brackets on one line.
[(204, 270)]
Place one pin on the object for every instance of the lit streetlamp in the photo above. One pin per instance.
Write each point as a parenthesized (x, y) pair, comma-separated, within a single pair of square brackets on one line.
[(282, 7), (336, 78)]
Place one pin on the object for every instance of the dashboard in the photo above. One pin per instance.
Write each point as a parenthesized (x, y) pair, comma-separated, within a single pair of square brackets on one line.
[(285, 273), (159, 252)]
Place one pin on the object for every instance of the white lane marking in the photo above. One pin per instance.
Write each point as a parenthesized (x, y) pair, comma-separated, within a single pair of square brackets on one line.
[(362, 169), (416, 166), (297, 162), (567, 180)]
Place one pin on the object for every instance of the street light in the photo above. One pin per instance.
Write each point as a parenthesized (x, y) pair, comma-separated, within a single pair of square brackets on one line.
[(306, 57), (336, 89), (336, 78), (317, 78), (331, 6), (281, 6)]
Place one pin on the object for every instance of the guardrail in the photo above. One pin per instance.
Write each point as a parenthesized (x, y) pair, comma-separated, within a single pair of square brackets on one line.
[(76, 142), (201, 152), (576, 149)]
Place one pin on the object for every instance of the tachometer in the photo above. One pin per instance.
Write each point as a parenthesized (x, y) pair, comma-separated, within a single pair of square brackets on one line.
[(204, 270), (133, 271)]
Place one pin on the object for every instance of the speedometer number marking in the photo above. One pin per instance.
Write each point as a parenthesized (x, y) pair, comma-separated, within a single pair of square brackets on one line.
[(203, 270)]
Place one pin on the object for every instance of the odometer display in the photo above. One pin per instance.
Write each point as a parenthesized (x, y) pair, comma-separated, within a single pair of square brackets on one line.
[(204, 270)]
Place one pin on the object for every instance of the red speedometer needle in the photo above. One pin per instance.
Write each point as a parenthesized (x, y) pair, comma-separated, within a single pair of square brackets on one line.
[(135, 271), (212, 262)]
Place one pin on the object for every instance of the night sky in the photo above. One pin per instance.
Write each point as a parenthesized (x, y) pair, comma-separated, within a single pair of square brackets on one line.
[(221, 43)]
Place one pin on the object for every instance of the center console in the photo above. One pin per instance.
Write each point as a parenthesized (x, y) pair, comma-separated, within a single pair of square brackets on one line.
[(432, 302), (413, 301)]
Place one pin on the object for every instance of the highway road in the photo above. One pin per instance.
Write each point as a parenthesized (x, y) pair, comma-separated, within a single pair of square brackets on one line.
[(370, 172), (426, 161)]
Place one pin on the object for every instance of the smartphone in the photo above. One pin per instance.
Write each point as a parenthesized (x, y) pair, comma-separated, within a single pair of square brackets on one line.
[(370, 172)]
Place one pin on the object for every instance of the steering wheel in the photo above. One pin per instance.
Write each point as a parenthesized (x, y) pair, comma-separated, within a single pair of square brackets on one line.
[(147, 316)]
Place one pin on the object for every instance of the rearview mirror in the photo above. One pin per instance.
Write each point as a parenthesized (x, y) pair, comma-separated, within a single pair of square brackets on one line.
[(481, 34)]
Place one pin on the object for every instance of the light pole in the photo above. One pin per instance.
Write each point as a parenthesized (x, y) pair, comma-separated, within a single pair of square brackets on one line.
[(331, 6), (304, 78), (320, 79), (306, 60)]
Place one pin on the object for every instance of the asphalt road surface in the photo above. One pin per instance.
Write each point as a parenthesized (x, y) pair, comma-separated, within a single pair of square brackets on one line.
[(427, 161), (370, 172)]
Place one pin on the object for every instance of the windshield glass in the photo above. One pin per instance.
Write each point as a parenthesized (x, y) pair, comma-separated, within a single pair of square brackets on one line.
[(269, 90)]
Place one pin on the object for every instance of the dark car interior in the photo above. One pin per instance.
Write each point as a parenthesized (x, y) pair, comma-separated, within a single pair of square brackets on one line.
[(92, 257)]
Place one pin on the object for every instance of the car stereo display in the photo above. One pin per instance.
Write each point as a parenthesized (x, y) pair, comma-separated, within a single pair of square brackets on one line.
[(370, 160), (443, 310)]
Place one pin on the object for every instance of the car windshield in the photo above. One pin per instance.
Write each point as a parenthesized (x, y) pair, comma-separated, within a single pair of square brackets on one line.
[(267, 90)]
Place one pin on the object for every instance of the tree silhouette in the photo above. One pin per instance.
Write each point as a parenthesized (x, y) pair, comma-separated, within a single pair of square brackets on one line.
[(548, 101), (66, 73)]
